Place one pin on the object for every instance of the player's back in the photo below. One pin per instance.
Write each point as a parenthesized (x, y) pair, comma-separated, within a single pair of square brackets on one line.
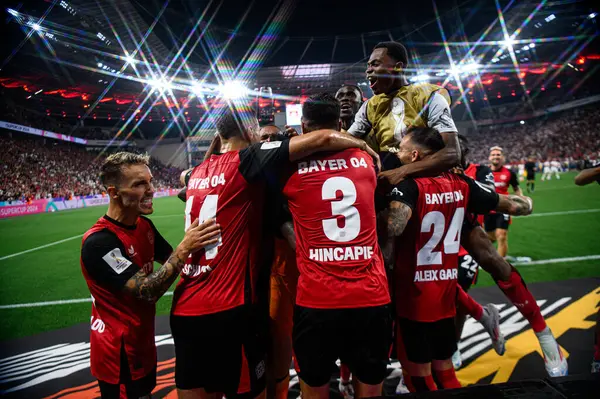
[(427, 252), (331, 199), (221, 277)]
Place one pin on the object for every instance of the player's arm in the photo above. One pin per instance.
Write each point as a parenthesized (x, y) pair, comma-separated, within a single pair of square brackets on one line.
[(588, 176), (514, 182), (403, 199), (261, 157), (184, 178), (325, 141), (361, 125), (151, 287), (439, 118), (483, 199), (288, 233)]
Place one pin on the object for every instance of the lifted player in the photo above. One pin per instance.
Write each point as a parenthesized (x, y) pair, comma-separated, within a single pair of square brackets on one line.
[(496, 224), (383, 119)]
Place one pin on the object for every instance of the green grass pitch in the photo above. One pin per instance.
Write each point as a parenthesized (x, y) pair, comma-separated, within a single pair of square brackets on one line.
[(53, 273)]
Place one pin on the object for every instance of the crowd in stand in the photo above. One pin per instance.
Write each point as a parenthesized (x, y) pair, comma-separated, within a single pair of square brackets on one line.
[(34, 168), (568, 136)]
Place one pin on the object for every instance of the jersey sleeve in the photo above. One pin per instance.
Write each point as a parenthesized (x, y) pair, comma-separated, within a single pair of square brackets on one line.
[(162, 249), (361, 125), (485, 176), (105, 259), (514, 181), (439, 116), (482, 199), (261, 157), (406, 192)]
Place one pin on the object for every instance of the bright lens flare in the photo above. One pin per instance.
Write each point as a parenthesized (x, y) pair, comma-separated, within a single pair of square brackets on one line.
[(233, 89)]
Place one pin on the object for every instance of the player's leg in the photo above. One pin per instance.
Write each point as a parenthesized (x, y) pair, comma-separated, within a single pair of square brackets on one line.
[(315, 342), (366, 342), (490, 222), (512, 285), (345, 387), (415, 354), (502, 237), (443, 346), (488, 316)]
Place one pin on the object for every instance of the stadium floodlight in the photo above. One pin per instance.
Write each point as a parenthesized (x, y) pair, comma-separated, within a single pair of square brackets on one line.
[(522, 122), (531, 45), (470, 67), (36, 27), (99, 65), (591, 16), (198, 89), (525, 48), (550, 17), (160, 84), (12, 12), (233, 89), (423, 77), (129, 59), (508, 42)]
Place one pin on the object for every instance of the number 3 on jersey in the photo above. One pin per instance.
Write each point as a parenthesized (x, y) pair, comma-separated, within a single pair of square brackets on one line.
[(208, 211), (427, 255), (343, 207)]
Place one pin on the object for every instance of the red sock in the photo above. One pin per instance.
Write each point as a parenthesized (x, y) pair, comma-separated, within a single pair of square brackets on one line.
[(466, 301), (408, 381), (447, 378), (516, 290), (344, 373), (423, 384)]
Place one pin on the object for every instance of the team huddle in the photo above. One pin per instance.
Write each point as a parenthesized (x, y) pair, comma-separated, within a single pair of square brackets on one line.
[(356, 240)]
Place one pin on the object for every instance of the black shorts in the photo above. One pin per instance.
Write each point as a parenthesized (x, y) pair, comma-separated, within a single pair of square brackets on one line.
[(468, 269), (360, 337), (530, 176), (220, 352), (134, 388), (495, 221), (427, 341)]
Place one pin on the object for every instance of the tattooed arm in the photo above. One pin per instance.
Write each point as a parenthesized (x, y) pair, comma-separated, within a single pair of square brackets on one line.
[(398, 216), (515, 205), (151, 287)]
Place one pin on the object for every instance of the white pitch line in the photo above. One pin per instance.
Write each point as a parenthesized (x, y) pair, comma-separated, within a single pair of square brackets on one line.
[(41, 247), (68, 301), (52, 303), (557, 260), (561, 213)]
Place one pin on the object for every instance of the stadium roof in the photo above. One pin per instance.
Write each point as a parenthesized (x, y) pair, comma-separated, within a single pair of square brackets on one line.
[(89, 52)]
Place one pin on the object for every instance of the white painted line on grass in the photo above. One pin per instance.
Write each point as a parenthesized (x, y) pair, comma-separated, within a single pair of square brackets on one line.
[(52, 303), (41, 247), (168, 293), (561, 213), (557, 260)]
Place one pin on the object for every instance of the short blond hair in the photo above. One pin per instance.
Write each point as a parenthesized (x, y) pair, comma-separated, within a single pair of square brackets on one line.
[(110, 172), (497, 148)]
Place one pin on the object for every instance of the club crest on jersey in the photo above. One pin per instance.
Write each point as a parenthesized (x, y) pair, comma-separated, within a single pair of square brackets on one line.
[(131, 251)]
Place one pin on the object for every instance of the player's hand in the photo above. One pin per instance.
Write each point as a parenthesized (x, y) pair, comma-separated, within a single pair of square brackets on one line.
[(375, 156), (198, 236), (291, 132), (393, 176)]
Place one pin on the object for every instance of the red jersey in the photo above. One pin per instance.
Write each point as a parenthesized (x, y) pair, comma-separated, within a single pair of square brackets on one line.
[(111, 254), (331, 199), (425, 271), (227, 187), (484, 175), (504, 177)]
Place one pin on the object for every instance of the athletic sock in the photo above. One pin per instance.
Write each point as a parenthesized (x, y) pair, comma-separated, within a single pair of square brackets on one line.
[(344, 373), (423, 384), (471, 306), (281, 387), (518, 293), (407, 380), (532, 187), (447, 378)]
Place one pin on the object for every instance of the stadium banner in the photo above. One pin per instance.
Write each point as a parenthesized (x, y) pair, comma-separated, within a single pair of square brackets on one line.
[(39, 132), (53, 205), (109, 143)]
